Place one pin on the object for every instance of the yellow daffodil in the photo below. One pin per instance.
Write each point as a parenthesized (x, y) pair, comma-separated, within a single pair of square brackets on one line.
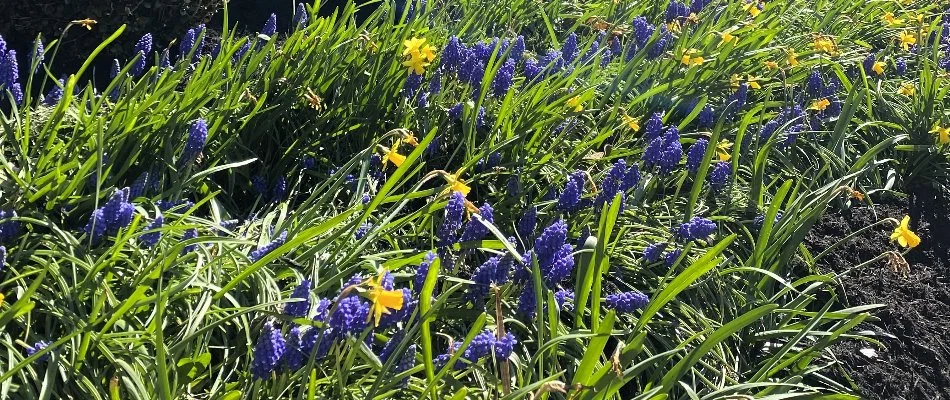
[(416, 63), (392, 156), (413, 45), (726, 37), (632, 123), (724, 150), (456, 184), (753, 9), (791, 57), (85, 23), (771, 65), (943, 134), (1, 298), (428, 52), (689, 59), (820, 104), (575, 103), (674, 27), (382, 300), (878, 67), (692, 17), (825, 45), (906, 39), (410, 138), (907, 89), (891, 20), (734, 81), (753, 82), (904, 236)]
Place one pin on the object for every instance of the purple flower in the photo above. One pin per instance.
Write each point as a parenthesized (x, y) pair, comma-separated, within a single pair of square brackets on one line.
[(268, 352), (189, 235), (664, 152), (264, 250), (532, 70), (612, 183), (8, 229), (642, 31), (300, 16), (695, 156), (187, 44), (454, 212), (294, 356), (560, 267), (142, 49), (564, 299), (591, 53), (631, 179), (653, 251), (696, 228), (412, 85), (570, 199), (270, 26), (670, 257), (504, 78), (55, 94), (661, 44), (36, 348), (151, 238), (517, 49), (615, 46), (569, 50), (720, 174), (480, 346), (350, 316), (453, 55), (653, 128), (676, 10), (550, 241), (528, 223), (301, 306), (3, 257), (279, 192), (489, 273), (697, 5), (527, 302), (197, 137), (39, 53), (422, 271), (707, 117), (815, 85), (627, 301), (114, 73), (901, 66), (505, 345), (475, 229), (362, 230)]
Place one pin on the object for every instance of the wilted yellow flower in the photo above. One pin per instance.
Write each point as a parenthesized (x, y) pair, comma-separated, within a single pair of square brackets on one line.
[(726, 37), (770, 65), (689, 59), (943, 134), (891, 20), (410, 138), (632, 123), (856, 194), (820, 104), (753, 82), (907, 89), (456, 184), (904, 236), (86, 23), (734, 81), (674, 26), (791, 57), (724, 150), (825, 45), (878, 67), (906, 39), (753, 9), (575, 103)]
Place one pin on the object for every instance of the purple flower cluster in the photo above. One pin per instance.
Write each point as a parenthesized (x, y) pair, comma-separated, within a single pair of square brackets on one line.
[(10, 73), (114, 215), (143, 48), (3, 257), (38, 347), (554, 255), (268, 352), (452, 222), (491, 272), (720, 174), (670, 257), (664, 152), (571, 197), (350, 316), (152, 235), (564, 299), (642, 31), (422, 271), (528, 223), (626, 302), (9, 229), (653, 251), (264, 250), (300, 16), (695, 229), (475, 229), (197, 138), (695, 155), (619, 179), (270, 26), (301, 306), (676, 11), (504, 78)]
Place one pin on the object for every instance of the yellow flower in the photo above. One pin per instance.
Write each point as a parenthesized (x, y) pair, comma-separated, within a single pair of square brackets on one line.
[(1, 298), (393, 157), (724, 150), (856, 195), (674, 27), (734, 81), (456, 184), (791, 58), (410, 138), (632, 123), (753, 82), (381, 299), (690, 60), (575, 103), (726, 37), (906, 39), (770, 65), (753, 9), (416, 63), (428, 52), (413, 45), (825, 45), (943, 134), (820, 104), (904, 236), (86, 23), (891, 20), (878, 67), (907, 89)]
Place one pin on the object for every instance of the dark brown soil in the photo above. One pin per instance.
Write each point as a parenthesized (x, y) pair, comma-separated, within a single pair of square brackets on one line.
[(914, 325)]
